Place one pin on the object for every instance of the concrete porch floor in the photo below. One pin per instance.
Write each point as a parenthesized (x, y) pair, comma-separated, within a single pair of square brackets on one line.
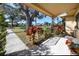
[(13, 43)]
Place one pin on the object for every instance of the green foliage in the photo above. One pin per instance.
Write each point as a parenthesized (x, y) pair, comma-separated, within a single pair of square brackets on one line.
[(2, 34)]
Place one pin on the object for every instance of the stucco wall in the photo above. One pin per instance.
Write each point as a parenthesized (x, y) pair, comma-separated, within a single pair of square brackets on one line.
[(70, 24)]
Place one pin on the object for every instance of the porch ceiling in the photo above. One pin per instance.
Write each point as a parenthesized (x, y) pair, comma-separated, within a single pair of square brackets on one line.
[(54, 9)]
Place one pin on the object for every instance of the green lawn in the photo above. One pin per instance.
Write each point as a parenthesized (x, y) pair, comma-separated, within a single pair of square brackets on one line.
[(20, 32)]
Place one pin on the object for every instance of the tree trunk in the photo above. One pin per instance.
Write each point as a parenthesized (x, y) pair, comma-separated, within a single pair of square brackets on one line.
[(35, 21), (12, 22), (28, 18)]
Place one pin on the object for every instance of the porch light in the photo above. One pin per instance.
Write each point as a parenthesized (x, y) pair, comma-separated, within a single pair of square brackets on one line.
[(63, 14)]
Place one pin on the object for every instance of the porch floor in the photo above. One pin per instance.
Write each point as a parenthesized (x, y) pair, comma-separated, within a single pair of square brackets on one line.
[(13, 43)]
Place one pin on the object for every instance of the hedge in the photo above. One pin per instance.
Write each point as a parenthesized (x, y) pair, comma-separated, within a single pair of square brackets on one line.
[(2, 35)]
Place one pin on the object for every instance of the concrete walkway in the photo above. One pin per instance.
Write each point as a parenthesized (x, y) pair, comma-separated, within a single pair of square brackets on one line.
[(13, 43)]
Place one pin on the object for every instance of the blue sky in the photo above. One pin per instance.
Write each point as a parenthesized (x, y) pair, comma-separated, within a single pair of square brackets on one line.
[(48, 19), (44, 19), (57, 19)]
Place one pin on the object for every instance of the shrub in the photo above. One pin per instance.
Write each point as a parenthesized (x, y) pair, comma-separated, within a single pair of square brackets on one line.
[(2, 35)]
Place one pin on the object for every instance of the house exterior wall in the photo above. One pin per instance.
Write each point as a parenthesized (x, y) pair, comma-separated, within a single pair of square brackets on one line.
[(70, 24), (77, 30)]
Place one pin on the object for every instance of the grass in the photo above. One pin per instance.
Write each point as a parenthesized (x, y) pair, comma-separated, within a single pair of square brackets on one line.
[(21, 34)]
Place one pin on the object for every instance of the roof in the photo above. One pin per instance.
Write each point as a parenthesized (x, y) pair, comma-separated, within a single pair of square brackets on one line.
[(54, 9)]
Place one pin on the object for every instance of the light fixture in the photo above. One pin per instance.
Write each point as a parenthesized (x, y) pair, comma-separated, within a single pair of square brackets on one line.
[(63, 14)]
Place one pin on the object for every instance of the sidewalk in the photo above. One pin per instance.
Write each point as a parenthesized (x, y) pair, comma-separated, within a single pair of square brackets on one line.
[(13, 43)]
